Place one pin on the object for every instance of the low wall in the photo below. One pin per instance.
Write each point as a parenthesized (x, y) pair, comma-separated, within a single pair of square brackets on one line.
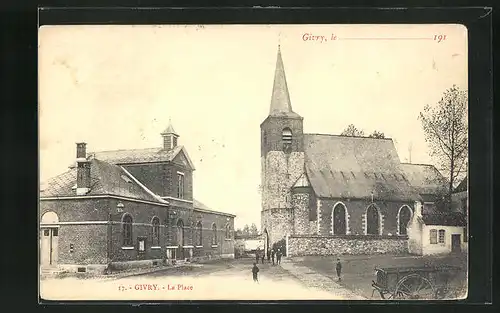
[(300, 245)]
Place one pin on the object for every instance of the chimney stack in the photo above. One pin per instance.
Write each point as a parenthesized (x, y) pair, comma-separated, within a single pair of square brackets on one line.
[(83, 169)]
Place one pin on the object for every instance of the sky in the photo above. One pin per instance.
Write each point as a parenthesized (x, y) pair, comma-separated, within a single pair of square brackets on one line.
[(116, 87)]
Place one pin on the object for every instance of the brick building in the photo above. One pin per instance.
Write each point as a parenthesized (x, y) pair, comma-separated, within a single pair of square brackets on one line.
[(329, 194), (129, 208)]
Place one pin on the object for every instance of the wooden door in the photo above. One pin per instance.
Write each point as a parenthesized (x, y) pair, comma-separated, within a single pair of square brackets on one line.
[(455, 243), (49, 245)]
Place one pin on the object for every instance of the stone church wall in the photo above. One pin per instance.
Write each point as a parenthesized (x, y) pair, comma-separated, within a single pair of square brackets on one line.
[(356, 210), (301, 202), (300, 245), (278, 223)]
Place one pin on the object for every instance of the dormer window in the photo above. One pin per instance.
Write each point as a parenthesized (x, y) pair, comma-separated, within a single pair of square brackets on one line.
[(287, 139)]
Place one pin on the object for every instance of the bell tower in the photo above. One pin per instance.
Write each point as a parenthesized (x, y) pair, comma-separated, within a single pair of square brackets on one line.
[(282, 158)]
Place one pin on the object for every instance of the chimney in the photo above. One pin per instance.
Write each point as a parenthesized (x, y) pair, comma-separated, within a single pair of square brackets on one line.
[(83, 169)]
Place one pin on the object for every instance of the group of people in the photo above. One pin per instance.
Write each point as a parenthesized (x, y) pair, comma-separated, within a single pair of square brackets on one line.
[(270, 257), (271, 254)]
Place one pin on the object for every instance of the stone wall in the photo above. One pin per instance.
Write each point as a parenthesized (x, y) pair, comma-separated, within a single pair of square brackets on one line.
[(280, 171), (278, 223), (300, 245), (356, 210), (301, 202)]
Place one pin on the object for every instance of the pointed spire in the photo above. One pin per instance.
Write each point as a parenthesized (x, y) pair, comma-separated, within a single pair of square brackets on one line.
[(170, 129), (280, 101)]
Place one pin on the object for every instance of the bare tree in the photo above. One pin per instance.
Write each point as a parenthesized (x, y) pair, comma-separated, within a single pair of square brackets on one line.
[(352, 131), (446, 129), (377, 134), (253, 229)]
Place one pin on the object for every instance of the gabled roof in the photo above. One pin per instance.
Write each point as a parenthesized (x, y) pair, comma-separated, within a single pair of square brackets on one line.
[(106, 179), (148, 155), (280, 100), (462, 186), (445, 219), (425, 178), (354, 167)]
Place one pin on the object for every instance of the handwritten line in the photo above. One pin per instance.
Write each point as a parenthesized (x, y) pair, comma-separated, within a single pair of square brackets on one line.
[(340, 38)]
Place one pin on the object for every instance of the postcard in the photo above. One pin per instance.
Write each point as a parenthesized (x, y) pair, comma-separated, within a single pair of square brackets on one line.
[(253, 162)]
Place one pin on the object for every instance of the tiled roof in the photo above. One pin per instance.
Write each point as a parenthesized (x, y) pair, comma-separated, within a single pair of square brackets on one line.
[(425, 178), (354, 167), (106, 179), (137, 155), (445, 219)]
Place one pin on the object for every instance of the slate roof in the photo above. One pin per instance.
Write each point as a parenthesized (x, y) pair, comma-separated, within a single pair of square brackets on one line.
[(353, 167), (106, 179), (148, 155), (425, 178), (280, 99), (445, 219)]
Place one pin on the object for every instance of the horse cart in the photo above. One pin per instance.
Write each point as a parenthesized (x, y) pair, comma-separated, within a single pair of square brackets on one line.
[(413, 283)]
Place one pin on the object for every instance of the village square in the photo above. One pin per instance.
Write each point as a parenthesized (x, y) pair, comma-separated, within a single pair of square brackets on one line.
[(341, 217)]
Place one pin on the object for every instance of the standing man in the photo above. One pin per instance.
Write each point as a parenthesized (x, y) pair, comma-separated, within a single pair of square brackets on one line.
[(272, 255), (255, 270), (268, 256), (278, 256), (339, 268), (262, 258)]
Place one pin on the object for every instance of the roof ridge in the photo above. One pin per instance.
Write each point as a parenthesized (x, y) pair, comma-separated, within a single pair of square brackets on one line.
[(334, 135), (424, 164), (124, 150)]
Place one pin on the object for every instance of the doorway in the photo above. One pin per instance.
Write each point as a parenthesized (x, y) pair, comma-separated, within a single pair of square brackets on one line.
[(49, 246), (456, 243)]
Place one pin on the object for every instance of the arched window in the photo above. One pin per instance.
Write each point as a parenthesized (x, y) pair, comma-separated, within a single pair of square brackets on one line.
[(50, 218), (372, 221), (214, 234), (155, 224), (287, 139), (199, 238), (127, 230), (339, 219), (180, 232), (228, 231), (404, 217)]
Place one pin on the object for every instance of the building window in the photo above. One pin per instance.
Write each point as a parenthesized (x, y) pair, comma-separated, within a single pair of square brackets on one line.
[(466, 235), (433, 236), (127, 230), (200, 235), (372, 221), (214, 234), (441, 235), (180, 233), (180, 185), (339, 224), (287, 139), (404, 217), (228, 232), (156, 231)]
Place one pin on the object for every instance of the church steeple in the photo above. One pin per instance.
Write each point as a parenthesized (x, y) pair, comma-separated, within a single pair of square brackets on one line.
[(169, 137), (280, 100)]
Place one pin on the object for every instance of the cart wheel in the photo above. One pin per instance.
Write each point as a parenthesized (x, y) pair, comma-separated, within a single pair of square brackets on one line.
[(413, 287)]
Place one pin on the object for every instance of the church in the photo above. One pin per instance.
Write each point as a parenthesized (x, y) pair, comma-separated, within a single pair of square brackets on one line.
[(115, 210), (327, 194)]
